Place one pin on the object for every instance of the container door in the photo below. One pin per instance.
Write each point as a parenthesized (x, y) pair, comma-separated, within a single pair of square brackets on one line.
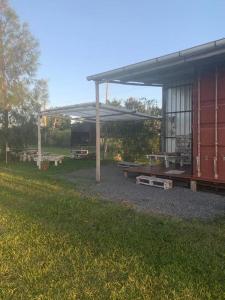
[(209, 126)]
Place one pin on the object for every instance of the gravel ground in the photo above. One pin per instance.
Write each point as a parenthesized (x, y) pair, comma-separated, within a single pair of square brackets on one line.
[(179, 201)]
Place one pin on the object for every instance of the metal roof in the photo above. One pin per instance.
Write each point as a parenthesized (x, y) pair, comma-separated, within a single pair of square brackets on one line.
[(87, 112), (164, 69)]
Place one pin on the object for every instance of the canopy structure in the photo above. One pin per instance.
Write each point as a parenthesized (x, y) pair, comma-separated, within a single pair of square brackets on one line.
[(107, 113), (163, 70), (93, 112)]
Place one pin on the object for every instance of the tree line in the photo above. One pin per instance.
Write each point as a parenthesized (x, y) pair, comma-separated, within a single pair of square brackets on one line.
[(22, 93)]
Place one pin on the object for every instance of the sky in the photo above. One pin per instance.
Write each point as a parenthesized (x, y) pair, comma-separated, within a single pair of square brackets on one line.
[(84, 37)]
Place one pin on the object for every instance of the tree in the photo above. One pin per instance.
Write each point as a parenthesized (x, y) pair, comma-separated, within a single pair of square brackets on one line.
[(40, 94), (135, 138), (18, 63), (23, 118)]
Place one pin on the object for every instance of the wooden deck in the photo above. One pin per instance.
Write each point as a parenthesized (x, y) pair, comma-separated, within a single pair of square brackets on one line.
[(178, 174)]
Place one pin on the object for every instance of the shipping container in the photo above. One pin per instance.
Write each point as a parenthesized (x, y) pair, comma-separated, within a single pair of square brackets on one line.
[(194, 123), (209, 125)]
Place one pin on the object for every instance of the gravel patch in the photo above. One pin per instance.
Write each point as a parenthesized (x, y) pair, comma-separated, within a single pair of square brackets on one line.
[(179, 201)]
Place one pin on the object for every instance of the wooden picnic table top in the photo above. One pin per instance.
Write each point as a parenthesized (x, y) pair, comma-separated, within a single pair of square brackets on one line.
[(51, 157)]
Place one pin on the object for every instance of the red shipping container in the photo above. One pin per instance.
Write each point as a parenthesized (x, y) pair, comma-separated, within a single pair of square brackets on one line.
[(209, 130)]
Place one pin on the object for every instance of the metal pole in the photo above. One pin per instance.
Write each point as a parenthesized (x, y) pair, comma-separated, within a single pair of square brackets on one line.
[(98, 152), (216, 126), (107, 93), (39, 142)]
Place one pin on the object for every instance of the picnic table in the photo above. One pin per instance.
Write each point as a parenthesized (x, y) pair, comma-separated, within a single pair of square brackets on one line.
[(27, 155), (57, 159), (167, 159)]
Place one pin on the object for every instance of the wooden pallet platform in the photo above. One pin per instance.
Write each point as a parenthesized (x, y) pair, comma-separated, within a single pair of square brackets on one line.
[(166, 184), (184, 177)]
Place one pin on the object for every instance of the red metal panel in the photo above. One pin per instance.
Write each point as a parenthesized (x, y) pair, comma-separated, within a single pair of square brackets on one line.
[(221, 124), (195, 127), (211, 90)]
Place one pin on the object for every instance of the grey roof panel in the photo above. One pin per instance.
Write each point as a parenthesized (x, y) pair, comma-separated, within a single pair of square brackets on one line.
[(87, 111), (150, 72)]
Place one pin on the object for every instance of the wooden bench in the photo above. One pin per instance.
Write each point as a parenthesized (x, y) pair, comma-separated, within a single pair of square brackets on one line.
[(166, 184)]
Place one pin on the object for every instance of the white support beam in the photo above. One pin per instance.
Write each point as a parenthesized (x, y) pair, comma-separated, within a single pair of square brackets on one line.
[(39, 142), (98, 151), (199, 128), (216, 126)]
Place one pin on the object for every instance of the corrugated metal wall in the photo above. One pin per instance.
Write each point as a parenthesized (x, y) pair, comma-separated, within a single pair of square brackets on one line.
[(209, 126), (178, 118)]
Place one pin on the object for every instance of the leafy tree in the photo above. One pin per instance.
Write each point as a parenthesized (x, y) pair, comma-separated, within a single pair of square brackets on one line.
[(135, 138), (57, 131), (40, 95), (23, 119), (18, 64)]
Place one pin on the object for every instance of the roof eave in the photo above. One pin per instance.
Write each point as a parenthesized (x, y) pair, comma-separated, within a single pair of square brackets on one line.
[(170, 60)]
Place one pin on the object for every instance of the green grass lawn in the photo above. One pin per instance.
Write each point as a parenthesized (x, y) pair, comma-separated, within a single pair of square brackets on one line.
[(56, 150), (57, 244)]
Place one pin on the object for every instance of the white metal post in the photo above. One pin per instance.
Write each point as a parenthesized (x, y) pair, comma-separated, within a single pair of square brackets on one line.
[(98, 151), (39, 142), (216, 126), (199, 128)]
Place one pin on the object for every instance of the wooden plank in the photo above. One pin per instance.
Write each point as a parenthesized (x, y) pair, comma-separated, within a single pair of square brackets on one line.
[(158, 171)]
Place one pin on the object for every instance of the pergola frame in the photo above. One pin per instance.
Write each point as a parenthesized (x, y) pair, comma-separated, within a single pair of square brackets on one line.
[(92, 112)]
